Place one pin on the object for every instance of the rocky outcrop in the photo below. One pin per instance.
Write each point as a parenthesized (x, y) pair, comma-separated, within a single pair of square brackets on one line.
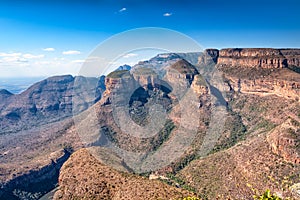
[(166, 59), (284, 141), (125, 109), (257, 57), (261, 71), (118, 84), (209, 56), (289, 89), (181, 73), (146, 77), (292, 56), (264, 58)]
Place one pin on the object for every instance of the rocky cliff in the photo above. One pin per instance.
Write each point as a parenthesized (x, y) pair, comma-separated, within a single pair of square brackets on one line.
[(259, 57), (282, 83), (260, 71), (127, 103), (44, 102), (284, 140), (35, 183)]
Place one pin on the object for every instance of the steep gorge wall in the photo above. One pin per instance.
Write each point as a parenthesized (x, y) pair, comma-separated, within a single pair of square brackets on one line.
[(260, 71), (256, 57), (265, 58), (36, 182), (266, 86)]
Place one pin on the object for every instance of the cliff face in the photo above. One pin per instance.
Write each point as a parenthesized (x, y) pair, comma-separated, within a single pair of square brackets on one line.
[(259, 58), (292, 56), (36, 182), (260, 71), (181, 75), (209, 56), (284, 141), (269, 85), (44, 102), (130, 97), (178, 75)]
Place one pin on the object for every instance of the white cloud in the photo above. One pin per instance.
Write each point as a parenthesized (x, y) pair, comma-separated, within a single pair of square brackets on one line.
[(71, 52), (31, 56), (167, 14), (38, 67), (49, 49), (78, 61), (130, 55), (59, 59), (11, 59), (13, 64), (10, 54), (18, 57), (123, 9)]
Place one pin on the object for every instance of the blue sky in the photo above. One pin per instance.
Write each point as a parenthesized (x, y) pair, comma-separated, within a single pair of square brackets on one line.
[(43, 38)]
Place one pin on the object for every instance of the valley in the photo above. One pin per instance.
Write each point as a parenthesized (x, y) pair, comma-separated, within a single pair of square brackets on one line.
[(219, 124)]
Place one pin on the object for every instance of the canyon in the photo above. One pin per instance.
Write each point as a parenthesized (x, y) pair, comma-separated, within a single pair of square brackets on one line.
[(258, 88)]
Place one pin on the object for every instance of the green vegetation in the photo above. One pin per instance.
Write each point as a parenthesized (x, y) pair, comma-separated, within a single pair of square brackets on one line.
[(109, 133), (183, 67), (68, 147), (118, 74), (144, 71), (295, 123), (247, 73), (294, 68), (184, 162), (234, 125), (267, 196), (190, 198), (176, 181), (200, 80), (163, 135), (266, 125)]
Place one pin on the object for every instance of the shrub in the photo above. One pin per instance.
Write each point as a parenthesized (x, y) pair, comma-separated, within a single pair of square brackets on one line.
[(68, 147), (267, 196)]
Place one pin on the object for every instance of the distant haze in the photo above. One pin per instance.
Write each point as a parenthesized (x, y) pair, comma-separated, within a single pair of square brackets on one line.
[(18, 85)]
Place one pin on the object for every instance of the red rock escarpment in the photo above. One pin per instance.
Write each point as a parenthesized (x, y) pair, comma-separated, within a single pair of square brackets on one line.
[(259, 57), (267, 86)]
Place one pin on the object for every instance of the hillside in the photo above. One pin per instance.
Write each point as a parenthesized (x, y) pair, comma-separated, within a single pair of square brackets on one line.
[(85, 177)]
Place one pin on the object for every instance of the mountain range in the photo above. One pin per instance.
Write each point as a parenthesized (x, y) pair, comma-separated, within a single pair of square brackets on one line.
[(227, 126)]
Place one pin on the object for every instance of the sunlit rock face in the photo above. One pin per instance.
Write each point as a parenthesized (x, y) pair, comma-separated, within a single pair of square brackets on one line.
[(259, 57)]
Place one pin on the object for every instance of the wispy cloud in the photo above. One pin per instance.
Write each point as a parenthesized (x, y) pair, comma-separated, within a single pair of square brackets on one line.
[(168, 14), (31, 56), (78, 61), (10, 54), (71, 52), (130, 55), (29, 64), (49, 49), (19, 57), (123, 9)]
